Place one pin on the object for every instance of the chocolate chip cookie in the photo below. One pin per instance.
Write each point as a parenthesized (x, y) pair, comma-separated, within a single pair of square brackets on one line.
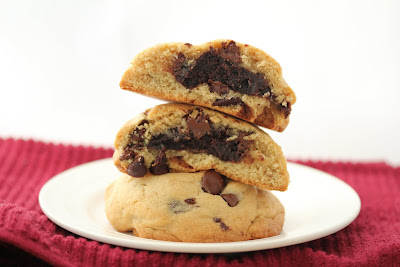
[(184, 138), (237, 79), (192, 207)]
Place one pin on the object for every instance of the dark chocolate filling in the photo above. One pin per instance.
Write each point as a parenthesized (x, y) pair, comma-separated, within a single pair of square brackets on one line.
[(159, 166), (213, 142), (219, 68)]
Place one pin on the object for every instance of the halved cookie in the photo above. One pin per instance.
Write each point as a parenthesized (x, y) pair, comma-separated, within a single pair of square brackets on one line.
[(237, 79), (183, 138)]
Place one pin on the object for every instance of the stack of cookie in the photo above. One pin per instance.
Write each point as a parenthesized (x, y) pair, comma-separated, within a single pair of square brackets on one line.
[(199, 169)]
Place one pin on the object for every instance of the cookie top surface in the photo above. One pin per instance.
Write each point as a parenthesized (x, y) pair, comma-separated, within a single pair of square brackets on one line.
[(235, 78), (178, 207)]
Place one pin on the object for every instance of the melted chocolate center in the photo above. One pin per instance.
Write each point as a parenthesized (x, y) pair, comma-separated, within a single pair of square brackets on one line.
[(220, 69), (214, 142), (201, 137)]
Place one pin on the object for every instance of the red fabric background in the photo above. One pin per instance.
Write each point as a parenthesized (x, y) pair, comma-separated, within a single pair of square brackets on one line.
[(27, 237)]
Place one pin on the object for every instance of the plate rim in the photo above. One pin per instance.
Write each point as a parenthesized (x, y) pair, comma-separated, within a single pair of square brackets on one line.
[(187, 247)]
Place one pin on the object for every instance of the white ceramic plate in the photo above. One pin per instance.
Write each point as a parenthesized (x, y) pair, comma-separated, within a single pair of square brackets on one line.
[(317, 204)]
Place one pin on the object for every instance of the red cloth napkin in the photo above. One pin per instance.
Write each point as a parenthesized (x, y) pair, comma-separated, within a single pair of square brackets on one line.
[(28, 236)]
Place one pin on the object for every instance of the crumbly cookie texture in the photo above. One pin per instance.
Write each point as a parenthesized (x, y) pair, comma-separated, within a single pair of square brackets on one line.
[(184, 138), (176, 207), (235, 78)]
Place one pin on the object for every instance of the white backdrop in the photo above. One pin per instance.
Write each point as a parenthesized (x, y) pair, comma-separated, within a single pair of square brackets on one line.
[(61, 62)]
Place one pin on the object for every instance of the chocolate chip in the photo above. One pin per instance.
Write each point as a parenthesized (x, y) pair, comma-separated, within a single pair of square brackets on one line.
[(137, 168), (137, 134), (218, 87), (159, 169), (198, 126), (231, 199), (188, 44), (230, 52), (159, 165), (190, 201), (223, 226), (228, 102), (128, 153), (212, 182), (136, 138)]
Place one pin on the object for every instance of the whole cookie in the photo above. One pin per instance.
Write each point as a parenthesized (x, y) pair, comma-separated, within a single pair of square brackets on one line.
[(235, 78), (184, 138), (192, 207)]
